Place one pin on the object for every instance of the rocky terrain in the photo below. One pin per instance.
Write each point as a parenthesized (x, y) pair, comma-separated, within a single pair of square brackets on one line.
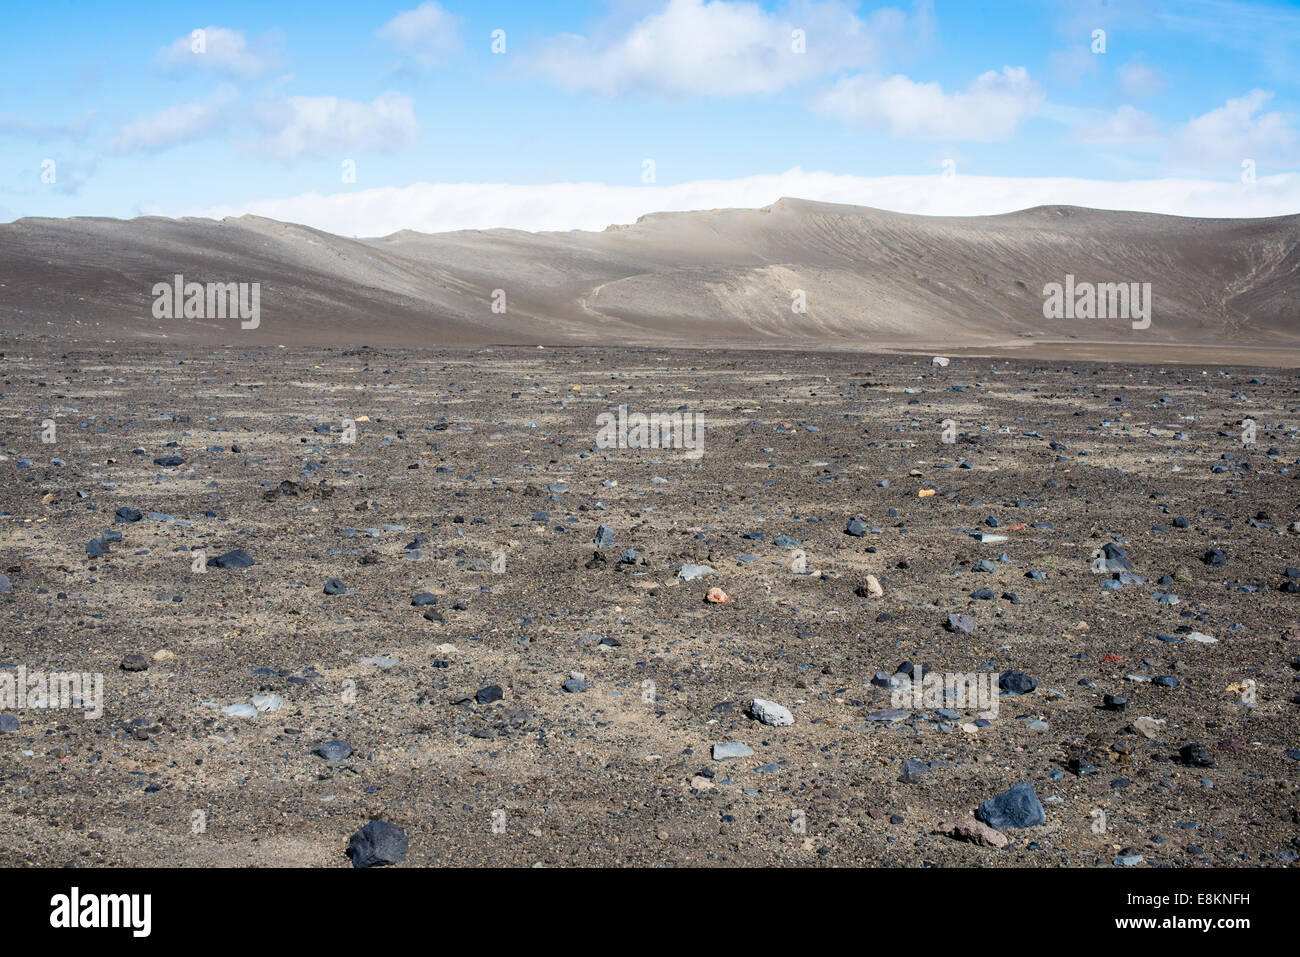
[(328, 586)]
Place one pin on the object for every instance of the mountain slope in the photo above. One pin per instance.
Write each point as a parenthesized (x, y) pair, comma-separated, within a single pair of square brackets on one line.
[(871, 280)]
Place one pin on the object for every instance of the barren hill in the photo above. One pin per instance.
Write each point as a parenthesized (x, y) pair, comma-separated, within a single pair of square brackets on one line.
[(872, 280)]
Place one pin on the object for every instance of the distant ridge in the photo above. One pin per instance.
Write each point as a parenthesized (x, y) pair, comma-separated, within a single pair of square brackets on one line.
[(872, 280)]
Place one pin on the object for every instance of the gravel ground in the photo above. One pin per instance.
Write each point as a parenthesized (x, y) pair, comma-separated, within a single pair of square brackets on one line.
[(617, 677)]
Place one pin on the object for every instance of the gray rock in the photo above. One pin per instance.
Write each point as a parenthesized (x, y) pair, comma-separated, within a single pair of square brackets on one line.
[(5, 584), (769, 712), (335, 750), (8, 722), (574, 686), (889, 714), (1113, 559), (731, 749), (690, 572), (964, 624)]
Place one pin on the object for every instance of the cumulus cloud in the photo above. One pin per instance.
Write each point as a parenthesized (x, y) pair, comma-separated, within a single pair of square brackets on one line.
[(425, 36), (1239, 130), (219, 50), (175, 125), (301, 127), (693, 48), (990, 109), (430, 207)]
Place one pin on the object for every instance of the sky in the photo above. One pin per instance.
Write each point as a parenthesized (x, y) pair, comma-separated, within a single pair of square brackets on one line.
[(366, 118)]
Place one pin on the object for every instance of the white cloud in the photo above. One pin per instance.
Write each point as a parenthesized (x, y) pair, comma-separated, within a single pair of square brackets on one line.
[(1139, 81), (430, 207), (1071, 65), (223, 51), (1126, 125), (174, 125), (990, 109), (694, 48), (301, 127), (13, 124), (1237, 131), (425, 36)]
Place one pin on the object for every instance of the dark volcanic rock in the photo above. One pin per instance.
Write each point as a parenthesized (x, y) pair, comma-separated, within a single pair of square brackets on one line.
[(1017, 682), (378, 844), (237, 558), (1017, 807)]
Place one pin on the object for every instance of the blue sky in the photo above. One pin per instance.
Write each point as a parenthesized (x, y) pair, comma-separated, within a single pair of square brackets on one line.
[(1009, 98)]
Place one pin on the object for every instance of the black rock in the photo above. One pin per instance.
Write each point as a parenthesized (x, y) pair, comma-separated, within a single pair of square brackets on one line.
[(1114, 702), (1082, 768), (1113, 559), (574, 686), (983, 594), (912, 671), (420, 599), (125, 514), (232, 559), (489, 694), (1017, 682), (134, 663), (378, 844), (169, 461), (856, 527), (1016, 807), (1214, 557), (335, 587), (96, 548), (1195, 756)]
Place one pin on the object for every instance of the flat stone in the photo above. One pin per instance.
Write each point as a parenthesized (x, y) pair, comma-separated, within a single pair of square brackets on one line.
[(972, 832), (690, 572), (731, 749), (238, 558)]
